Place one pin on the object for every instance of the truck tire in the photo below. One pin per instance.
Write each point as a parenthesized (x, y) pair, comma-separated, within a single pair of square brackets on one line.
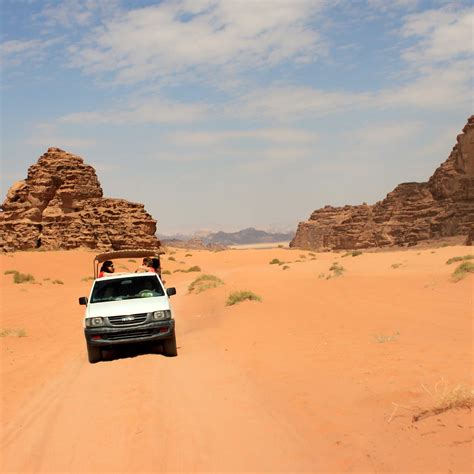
[(94, 354), (169, 346)]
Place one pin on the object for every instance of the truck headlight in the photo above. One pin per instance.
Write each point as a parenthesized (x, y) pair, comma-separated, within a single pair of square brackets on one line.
[(161, 315), (95, 322)]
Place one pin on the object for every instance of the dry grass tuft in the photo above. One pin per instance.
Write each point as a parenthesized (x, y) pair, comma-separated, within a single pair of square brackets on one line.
[(13, 332), (446, 398), (205, 282), (462, 270), (239, 296), (337, 269), (459, 259), (20, 277)]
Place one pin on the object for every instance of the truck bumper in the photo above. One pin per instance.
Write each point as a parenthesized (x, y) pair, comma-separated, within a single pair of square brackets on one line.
[(151, 332)]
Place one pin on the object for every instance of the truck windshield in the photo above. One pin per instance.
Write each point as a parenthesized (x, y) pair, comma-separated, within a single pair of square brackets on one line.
[(126, 289)]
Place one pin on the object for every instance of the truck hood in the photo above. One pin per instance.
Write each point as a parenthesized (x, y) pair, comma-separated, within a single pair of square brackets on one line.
[(125, 307)]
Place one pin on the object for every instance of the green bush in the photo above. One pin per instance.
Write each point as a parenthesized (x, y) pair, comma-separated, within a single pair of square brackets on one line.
[(166, 272), (275, 261), (459, 259), (132, 260), (205, 282), (462, 270), (239, 296)]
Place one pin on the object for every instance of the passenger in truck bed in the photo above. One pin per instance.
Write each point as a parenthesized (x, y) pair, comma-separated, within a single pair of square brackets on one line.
[(107, 267)]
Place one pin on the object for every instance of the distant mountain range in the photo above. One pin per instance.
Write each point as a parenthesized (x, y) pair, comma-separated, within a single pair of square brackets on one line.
[(241, 237)]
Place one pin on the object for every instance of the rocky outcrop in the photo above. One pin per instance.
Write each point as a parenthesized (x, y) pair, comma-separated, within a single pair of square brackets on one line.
[(411, 213), (60, 205)]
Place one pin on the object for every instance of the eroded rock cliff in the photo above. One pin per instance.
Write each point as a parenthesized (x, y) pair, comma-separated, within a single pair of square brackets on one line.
[(412, 212), (60, 205)]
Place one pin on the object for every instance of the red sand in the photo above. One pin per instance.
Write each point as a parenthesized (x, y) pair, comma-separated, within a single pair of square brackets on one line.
[(323, 375)]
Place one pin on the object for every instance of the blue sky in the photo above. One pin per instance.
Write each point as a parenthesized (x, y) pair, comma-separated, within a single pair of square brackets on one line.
[(224, 114)]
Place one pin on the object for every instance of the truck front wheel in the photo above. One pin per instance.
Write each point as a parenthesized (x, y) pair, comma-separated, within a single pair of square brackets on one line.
[(169, 346), (94, 354)]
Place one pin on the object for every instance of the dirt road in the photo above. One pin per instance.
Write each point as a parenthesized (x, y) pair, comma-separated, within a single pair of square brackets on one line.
[(324, 375)]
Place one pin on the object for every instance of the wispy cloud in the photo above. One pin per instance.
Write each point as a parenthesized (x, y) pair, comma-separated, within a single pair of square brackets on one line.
[(152, 110), (200, 38), (443, 35), (17, 52)]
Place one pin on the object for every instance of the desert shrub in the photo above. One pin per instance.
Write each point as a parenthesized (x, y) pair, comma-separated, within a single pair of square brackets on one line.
[(275, 261), (381, 338), (302, 256), (205, 282), (459, 259), (57, 282), (312, 254), (462, 270), (285, 267), (356, 253), (280, 246), (23, 278), (446, 398), (396, 265), (166, 272), (321, 275), (172, 259), (87, 278), (239, 296), (337, 269), (189, 255), (132, 260), (194, 268), (10, 272), (14, 332)]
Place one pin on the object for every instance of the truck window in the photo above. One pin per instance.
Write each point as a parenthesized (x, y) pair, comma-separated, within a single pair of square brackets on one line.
[(126, 288)]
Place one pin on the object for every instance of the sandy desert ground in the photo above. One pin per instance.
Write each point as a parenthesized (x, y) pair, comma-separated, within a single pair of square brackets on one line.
[(322, 375)]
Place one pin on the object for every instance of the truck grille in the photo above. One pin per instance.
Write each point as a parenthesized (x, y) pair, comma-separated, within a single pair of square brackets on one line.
[(128, 319), (129, 335)]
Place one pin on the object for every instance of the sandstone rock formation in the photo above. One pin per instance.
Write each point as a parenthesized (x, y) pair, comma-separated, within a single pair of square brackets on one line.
[(411, 213), (60, 206)]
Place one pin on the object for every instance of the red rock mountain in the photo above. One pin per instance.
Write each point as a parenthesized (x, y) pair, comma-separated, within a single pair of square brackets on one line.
[(60, 206), (411, 213)]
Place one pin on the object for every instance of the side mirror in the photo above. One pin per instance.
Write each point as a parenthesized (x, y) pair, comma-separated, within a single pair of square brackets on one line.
[(170, 291), (83, 300)]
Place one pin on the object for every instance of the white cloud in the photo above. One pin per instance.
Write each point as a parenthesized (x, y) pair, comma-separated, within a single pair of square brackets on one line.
[(437, 88), (201, 38), (381, 135), (153, 110), (444, 35), (280, 136), (16, 52), (70, 13)]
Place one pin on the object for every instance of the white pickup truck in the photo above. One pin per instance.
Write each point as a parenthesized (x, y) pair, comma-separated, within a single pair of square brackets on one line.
[(128, 308)]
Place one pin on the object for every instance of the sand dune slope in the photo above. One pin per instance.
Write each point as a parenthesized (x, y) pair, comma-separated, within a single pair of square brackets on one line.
[(323, 375)]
